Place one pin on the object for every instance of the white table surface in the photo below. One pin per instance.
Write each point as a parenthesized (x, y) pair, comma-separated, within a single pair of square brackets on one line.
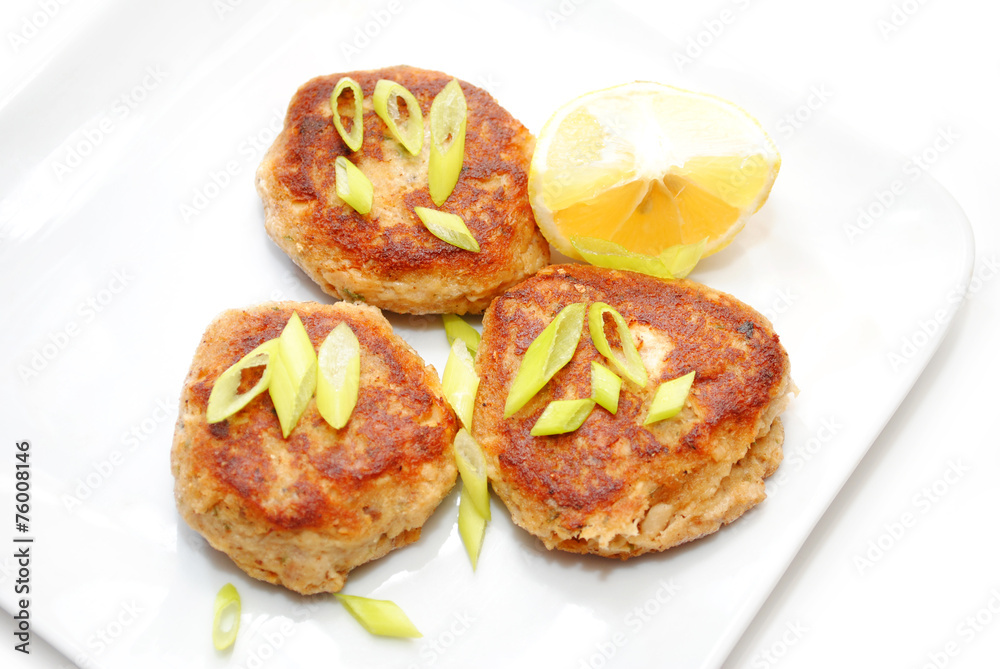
[(904, 567)]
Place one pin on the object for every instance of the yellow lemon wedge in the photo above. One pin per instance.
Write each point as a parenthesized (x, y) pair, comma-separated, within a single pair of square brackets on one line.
[(649, 166)]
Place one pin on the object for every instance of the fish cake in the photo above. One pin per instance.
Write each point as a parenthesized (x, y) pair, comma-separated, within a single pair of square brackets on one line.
[(303, 511), (615, 487), (387, 257)]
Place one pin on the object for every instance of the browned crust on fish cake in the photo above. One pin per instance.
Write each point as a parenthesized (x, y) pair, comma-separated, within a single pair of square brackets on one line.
[(303, 511), (387, 256), (592, 489)]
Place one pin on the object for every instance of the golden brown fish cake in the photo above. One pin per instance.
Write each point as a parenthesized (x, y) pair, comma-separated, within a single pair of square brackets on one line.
[(387, 258), (305, 510), (615, 487)]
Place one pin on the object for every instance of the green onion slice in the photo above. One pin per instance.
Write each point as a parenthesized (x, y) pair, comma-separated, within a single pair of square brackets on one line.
[(669, 398), (353, 187), (379, 616), (455, 327), (546, 355), (472, 467), (471, 526), (460, 382), (630, 366), (224, 400), (562, 416), (409, 131), (294, 378), (226, 622), (353, 138), (675, 262), (605, 386), (339, 375), (680, 259), (448, 228), (448, 120)]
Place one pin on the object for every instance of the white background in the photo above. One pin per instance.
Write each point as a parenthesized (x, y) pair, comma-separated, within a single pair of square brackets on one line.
[(904, 74)]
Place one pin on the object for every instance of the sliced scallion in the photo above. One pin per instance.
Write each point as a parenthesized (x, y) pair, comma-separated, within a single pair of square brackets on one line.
[(460, 382), (669, 398), (353, 187), (408, 131), (455, 327), (561, 416), (630, 365), (605, 386), (294, 378), (355, 137), (379, 616), (448, 120), (472, 467), (546, 355), (224, 400), (226, 621), (675, 262), (680, 259), (448, 228), (339, 375), (471, 526)]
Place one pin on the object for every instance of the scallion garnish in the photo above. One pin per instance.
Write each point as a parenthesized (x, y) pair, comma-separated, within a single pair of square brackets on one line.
[(561, 416), (379, 616), (546, 355), (669, 398), (408, 131), (355, 137), (630, 365), (226, 621), (448, 120), (339, 375), (460, 382)]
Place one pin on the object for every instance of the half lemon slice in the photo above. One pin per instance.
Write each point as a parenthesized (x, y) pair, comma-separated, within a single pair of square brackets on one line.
[(648, 166)]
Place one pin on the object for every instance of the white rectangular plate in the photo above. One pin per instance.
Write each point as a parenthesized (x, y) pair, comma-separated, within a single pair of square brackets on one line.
[(129, 220)]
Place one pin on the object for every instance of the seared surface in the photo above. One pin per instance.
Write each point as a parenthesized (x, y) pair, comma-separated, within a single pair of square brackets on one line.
[(387, 258), (615, 487), (305, 510)]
